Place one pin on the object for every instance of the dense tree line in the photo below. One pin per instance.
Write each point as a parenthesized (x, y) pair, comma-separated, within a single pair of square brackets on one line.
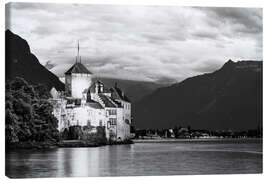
[(29, 113)]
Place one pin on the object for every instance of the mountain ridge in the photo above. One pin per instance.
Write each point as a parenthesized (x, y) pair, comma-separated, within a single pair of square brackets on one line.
[(22, 63), (200, 100)]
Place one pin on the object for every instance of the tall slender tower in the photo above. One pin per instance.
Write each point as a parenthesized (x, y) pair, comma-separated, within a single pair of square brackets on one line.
[(77, 78)]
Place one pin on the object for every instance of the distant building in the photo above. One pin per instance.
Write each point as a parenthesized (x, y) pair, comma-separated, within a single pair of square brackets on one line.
[(92, 104)]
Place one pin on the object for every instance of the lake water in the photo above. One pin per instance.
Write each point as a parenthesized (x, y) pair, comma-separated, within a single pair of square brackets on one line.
[(166, 158)]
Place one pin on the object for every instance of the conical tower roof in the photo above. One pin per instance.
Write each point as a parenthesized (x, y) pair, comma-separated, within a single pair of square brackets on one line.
[(78, 68)]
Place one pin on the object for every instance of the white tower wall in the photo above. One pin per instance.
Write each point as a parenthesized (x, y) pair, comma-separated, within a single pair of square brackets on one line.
[(80, 82)]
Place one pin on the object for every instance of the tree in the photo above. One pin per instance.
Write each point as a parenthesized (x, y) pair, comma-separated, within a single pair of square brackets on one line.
[(12, 127), (17, 84), (175, 131), (189, 129), (29, 113), (45, 124), (42, 91)]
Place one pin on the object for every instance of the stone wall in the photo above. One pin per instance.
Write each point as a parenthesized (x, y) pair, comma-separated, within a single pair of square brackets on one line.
[(80, 82)]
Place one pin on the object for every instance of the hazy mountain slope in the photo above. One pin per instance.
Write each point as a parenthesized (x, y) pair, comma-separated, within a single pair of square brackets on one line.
[(229, 98), (21, 62), (135, 90)]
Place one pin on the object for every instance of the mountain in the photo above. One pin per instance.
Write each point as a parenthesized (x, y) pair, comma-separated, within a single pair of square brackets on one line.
[(229, 98), (21, 62), (135, 90), (49, 65)]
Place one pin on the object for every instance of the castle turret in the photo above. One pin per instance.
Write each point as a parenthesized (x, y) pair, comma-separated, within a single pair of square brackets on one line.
[(77, 79)]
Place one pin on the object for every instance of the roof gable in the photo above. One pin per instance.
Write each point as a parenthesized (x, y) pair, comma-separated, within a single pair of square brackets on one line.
[(78, 68), (94, 104), (119, 94), (107, 102)]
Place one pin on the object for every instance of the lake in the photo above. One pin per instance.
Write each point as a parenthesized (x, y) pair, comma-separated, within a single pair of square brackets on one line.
[(163, 158)]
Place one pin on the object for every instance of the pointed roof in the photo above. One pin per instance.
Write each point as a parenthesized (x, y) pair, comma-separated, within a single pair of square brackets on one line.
[(107, 101), (117, 93), (78, 68), (92, 87), (94, 104)]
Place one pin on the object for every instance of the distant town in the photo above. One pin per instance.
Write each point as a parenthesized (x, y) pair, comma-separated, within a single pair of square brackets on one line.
[(179, 132)]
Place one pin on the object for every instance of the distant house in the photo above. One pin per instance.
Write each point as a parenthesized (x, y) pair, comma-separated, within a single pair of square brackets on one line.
[(183, 133)]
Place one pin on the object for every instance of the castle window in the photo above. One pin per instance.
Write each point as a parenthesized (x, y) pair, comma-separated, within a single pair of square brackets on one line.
[(112, 111), (68, 80), (108, 125), (113, 121), (127, 121), (88, 123)]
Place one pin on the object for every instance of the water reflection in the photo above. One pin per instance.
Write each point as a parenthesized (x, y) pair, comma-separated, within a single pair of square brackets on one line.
[(82, 162), (137, 159)]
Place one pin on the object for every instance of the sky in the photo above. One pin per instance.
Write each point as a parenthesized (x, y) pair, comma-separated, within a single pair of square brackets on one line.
[(163, 44)]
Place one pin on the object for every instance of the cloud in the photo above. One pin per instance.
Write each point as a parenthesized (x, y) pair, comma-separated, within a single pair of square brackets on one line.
[(206, 34), (250, 18), (149, 43), (208, 65)]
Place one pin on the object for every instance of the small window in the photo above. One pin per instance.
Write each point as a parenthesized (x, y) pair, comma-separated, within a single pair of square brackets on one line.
[(108, 125), (112, 111), (88, 123), (113, 121), (127, 121)]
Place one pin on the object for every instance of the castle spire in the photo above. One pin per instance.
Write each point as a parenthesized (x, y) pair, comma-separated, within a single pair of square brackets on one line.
[(78, 50)]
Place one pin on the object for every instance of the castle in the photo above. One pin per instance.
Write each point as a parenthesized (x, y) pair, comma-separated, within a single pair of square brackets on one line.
[(91, 104)]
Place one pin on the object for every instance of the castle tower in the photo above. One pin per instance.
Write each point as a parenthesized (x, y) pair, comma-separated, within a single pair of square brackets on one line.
[(77, 78)]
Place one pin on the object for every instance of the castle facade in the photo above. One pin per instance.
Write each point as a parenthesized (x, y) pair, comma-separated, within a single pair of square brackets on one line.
[(92, 104)]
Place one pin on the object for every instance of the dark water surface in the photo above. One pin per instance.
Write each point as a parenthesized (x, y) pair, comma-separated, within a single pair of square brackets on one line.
[(166, 158)]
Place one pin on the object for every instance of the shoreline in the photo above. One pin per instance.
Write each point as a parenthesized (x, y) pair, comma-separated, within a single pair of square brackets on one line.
[(84, 143), (63, 144), (192, 140)]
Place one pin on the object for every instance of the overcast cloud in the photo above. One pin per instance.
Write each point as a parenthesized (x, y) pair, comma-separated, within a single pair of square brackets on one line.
[(150, 43)]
